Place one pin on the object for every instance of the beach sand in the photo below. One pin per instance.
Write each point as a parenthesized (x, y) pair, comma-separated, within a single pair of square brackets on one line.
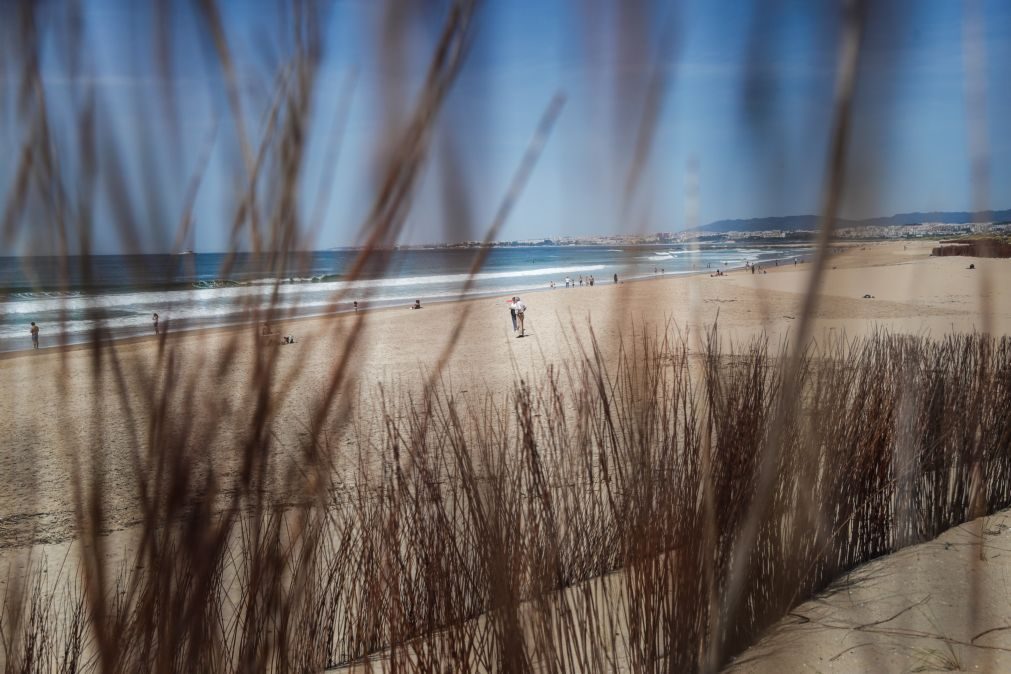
[(56, 405), (58, 402), (929, 607)]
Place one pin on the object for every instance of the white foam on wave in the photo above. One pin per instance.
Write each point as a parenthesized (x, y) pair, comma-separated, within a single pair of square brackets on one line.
[(205, 295), (225, 313)]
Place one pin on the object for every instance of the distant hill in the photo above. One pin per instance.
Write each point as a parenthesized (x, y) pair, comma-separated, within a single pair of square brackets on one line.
[(792, 223)]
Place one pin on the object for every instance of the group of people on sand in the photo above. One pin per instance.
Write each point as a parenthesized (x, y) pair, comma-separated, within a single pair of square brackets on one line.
[(755, 269), (34, 331), (572, 283)]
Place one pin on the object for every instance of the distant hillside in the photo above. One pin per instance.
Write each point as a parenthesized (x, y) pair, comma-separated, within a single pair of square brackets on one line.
[(792, 223)]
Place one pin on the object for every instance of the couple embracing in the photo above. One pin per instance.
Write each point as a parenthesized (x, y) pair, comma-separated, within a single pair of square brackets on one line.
[(516, 310)]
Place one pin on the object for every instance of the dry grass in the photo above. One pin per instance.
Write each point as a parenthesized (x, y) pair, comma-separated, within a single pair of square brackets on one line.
[(654, 512), (453, 552)]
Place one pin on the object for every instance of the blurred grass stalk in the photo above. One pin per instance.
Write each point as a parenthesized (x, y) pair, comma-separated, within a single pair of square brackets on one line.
[(721, 488)]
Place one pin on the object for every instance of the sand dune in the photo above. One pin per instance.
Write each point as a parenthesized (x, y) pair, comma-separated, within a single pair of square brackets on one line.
[(930, 607)]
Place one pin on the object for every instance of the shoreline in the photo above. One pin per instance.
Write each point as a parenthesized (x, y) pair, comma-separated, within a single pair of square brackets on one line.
[(915, 294), (204, 326), (225, 328), (74, 403)]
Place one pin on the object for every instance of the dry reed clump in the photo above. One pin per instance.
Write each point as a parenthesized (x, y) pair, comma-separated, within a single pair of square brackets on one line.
[(482, 534), (594, 520)]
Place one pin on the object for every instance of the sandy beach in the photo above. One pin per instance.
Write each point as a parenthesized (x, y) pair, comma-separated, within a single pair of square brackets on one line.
[(60, 401), (936, 606), (56, 405)]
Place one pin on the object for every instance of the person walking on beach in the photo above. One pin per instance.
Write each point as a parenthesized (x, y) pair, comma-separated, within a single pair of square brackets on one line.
[(615, 279), (512, 313), (155, 320), (35, 335), (520, 309)]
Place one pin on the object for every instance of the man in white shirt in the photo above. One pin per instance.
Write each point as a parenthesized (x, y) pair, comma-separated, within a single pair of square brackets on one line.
[(520, 308)]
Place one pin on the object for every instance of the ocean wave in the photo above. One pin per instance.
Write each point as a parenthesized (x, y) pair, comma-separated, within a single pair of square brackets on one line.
[(44, 294), (215, 283), (202, 296), (229, 313), (319, 278)]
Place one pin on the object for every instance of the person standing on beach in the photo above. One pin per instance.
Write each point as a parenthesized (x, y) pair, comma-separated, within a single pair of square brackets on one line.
[(615, 279), (520, 309), (155, 320), (35, 335), (512, 313)]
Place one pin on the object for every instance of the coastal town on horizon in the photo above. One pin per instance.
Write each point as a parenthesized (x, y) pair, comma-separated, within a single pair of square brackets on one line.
[(806, 231)]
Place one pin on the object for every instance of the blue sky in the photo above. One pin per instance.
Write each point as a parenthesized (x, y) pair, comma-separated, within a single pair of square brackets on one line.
[(756, 150)]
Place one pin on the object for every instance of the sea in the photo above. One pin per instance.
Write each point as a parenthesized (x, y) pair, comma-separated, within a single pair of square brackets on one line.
[(73, 300)]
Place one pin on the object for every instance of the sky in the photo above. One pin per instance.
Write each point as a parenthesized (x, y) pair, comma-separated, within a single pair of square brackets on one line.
[(743, 112)]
